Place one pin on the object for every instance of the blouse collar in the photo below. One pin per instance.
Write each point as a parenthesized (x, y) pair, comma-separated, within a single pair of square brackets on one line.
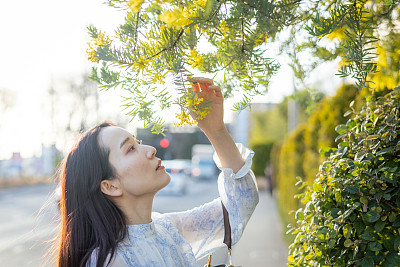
[(141, 230)]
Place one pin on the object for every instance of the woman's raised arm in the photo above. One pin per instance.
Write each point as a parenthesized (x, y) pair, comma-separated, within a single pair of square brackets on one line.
[(213, 124)]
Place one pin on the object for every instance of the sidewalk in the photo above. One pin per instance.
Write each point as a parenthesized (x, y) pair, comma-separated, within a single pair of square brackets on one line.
[(262, 243)]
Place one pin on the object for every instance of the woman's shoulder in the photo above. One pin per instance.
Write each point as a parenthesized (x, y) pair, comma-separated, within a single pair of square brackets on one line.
[(155, 216), (161, 219)]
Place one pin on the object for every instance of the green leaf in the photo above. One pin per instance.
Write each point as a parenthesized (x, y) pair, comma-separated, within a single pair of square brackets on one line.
[(326, 151), (374, 246), (344, 144), (379, 226), (331, 243), (392, 217), (396, 222), (348, 243), (340, 136), (392, 259), (367, 262), (360, 155), (359, 226), (385, 151), (387, 196), (388, 244), (369, 235), (396, 243), (352, 189), (335, 212), (347, 213), (347, 231), (317, 187), (364, 200), (341, 129), (371, 216), (299, 215), (347, 113)]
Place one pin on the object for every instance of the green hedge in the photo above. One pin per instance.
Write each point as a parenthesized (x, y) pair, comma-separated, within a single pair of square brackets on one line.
[(289, 167), (352, 211), (320, 131)]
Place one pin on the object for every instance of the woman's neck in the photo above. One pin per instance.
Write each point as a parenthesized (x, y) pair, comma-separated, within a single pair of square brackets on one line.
[(137, 210)]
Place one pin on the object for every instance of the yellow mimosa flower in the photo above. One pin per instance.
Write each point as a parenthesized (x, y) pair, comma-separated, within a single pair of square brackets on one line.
[(193, 102), (134, 5), (141, 64), (337, 34), (200, 3), (195, 58), (173, 18), (158, 78), (184, 119), (101, 40)]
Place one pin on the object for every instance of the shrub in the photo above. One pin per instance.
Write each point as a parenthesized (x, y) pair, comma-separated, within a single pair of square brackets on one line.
[(320, 131), (352, 211)]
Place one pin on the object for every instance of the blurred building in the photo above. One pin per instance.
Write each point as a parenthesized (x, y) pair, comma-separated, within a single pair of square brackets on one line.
[(242, 121), (37, 166)]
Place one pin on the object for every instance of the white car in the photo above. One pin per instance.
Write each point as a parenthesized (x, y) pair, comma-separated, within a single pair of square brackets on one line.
[(204, 168), (179, 170)]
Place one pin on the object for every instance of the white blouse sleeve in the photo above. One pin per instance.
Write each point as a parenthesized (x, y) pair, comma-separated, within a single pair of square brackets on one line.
[(203, 227)]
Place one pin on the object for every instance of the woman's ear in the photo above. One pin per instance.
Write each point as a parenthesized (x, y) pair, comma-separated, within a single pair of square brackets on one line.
[(111, 188)]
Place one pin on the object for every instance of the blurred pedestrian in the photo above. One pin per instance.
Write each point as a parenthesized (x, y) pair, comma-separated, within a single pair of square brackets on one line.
[(109, 180), (268, 175)]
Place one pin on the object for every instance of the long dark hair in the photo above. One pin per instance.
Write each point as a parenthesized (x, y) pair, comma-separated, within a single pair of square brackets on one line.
[(89, 220)]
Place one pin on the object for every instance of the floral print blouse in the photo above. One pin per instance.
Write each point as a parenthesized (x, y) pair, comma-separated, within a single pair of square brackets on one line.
[(182, 238)]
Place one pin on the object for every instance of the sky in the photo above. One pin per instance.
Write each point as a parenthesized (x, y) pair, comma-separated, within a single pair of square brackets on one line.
[(43, 44)]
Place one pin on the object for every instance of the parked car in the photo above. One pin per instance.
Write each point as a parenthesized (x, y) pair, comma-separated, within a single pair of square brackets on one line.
[(203, 166), (180, 171)]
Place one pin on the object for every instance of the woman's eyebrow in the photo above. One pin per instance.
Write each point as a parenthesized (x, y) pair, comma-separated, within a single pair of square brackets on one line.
[(126, 140)]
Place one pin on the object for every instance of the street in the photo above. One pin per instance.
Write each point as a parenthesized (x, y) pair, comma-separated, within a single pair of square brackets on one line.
[(29, 217)]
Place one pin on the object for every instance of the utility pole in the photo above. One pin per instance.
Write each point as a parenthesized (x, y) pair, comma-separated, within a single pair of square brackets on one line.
[(292, 110)]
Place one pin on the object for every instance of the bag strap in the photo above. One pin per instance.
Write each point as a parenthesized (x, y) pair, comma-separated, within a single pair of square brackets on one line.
[(227, 239), (227, 225), (228, 235)]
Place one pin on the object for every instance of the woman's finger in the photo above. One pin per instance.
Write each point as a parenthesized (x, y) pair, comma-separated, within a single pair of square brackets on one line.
[(196, 87), (203, 87), (216, 89), (202, 80)]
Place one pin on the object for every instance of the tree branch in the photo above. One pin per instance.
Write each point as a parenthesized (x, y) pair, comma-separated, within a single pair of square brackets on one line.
[(170, 47)]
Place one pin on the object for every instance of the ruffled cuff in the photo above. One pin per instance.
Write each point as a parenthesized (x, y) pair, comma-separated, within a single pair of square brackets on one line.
[(246, 153)]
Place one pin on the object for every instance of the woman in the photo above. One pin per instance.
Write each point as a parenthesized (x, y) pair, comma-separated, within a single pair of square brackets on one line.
[(109, 180)]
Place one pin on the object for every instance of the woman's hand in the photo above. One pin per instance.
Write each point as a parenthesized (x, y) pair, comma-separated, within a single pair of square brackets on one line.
[(214, 121), (213, 124)]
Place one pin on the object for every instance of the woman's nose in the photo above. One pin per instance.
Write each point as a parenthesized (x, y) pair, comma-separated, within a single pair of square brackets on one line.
[(151, 153)]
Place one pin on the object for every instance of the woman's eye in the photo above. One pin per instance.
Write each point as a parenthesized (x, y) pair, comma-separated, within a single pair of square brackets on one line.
[(132, 148)]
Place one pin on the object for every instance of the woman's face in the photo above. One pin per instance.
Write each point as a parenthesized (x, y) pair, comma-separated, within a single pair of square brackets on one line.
[(137, 168)]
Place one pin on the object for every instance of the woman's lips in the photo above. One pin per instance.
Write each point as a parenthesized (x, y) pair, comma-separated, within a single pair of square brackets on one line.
[(160, 168)]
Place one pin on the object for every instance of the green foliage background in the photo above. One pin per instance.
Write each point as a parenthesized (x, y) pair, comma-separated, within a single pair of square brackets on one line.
[(263, 158), (270, 127)]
